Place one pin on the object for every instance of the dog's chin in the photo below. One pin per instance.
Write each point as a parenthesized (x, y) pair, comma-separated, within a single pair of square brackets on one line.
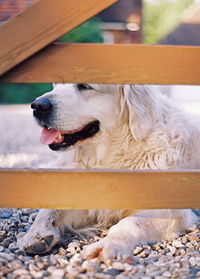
[(78, 137)]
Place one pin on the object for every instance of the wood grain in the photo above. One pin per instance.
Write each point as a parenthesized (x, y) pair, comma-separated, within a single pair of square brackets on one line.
[(40, 25), (99, 63), (99, 189)]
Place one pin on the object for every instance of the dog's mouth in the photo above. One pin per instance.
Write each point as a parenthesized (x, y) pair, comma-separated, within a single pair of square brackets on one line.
[(57, 139)]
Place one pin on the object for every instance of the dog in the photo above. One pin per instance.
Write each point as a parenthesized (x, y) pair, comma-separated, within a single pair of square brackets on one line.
[(113, 127)]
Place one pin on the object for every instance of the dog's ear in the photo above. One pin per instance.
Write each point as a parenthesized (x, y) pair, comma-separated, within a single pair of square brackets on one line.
[(143, 109)]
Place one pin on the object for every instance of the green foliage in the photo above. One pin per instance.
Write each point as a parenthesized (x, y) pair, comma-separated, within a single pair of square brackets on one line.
[(88, 32), (26, 93), (22, 93), (161, 18)]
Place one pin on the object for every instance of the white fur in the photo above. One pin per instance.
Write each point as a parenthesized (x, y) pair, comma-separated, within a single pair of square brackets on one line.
[(139, 129)]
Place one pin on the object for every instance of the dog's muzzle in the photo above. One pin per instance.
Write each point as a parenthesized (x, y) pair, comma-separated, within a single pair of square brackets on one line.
[(42, 108)]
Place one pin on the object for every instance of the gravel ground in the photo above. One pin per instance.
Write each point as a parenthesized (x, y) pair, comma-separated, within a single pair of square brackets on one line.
[(177, 259)]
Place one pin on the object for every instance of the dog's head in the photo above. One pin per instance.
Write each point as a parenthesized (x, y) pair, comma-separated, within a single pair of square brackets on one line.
[(74, 114)]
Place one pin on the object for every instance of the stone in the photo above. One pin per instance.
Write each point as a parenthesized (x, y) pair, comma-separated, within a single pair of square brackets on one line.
[(7, 241), (20, 272), (63, 262), (156, 247), (118, 265), (113, 271), (15, 264), (62, 251), (167, 274), (129, 260), (192, 261), (58, 274), (122, 276), (2, 235), (90, 266), (76, 260), (1, 248), (172, 249), (144, 253), (71, 270), (13, 246), (74, 244), (177, 244), (102, 276), (137, 250), (5, 215)]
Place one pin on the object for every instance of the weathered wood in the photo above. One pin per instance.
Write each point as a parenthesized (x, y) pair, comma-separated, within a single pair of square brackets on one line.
[(99, 189), (40, 25), (98, 63)]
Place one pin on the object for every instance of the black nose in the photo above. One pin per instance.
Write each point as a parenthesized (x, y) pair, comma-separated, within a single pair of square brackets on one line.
[(41, 105), (41, 109)]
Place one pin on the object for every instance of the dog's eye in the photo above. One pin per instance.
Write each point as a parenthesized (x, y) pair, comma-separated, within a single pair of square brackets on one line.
[(83, 86)]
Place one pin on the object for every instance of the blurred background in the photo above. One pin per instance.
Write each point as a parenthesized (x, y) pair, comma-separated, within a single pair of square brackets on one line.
[(169, 22)]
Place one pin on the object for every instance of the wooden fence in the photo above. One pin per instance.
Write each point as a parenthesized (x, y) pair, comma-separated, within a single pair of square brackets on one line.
[(21, 38)]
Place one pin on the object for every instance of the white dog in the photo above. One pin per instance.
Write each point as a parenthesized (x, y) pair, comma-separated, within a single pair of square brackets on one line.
[(114, 127)]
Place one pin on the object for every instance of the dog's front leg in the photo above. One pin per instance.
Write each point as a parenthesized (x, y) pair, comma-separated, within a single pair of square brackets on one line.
[(144, 227), (43, 234)]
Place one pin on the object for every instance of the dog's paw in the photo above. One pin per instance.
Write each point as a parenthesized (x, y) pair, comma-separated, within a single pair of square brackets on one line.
[(39, 240), (108, 249)]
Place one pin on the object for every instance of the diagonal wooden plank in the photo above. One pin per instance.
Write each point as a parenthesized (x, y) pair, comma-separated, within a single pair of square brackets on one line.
[(99, 189), (40, 25), (99, 63)]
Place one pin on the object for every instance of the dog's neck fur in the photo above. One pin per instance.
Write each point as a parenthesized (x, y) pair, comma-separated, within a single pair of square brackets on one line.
[(119, 150), (107, 152)]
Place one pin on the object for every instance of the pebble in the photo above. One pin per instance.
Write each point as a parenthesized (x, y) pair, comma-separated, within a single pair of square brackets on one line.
[(20, 272), (177, 244), (192, 261), (7, 241), (5, 215), (167, 274), (137, 250), (172, 249), (74, 244), (113, 271), (189, 245), (13, 246), (118, 265), (41, 265), (62, 251), (63, 262), (71, 270), (129, 260), (102, 276), (156, 247), (2, 235), (145, 253), (90, 266), (73, 247), (37, 274), (58, 274), (122, 276), (76, 260), (1, 248)]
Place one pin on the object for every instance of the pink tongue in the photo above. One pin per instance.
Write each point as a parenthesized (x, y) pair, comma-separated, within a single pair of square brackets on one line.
[(48, 136)]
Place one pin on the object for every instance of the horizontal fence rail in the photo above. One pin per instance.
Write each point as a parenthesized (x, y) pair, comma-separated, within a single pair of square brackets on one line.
[(99, 189), (99, 63), (42, 24)]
